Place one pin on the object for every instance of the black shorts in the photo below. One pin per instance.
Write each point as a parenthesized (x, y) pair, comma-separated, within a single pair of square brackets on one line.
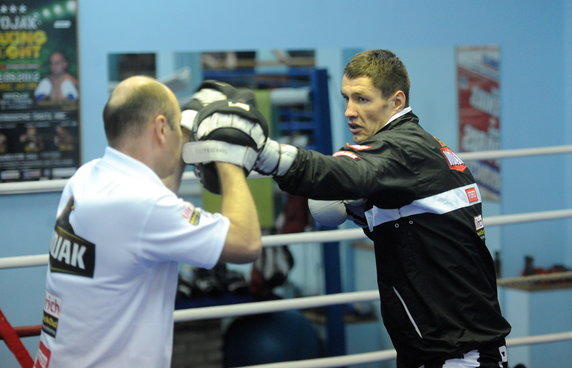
[(493, 357)]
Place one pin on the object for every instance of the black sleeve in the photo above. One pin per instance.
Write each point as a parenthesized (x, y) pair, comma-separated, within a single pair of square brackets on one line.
[(348, 174)]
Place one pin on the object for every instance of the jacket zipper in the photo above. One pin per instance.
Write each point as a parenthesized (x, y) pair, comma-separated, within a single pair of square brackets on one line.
[(408, 313)]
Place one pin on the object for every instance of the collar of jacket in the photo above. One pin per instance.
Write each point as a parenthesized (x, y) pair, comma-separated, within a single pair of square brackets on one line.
[(402, 116)]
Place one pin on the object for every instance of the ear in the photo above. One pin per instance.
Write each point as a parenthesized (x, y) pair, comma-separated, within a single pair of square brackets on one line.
[(399, 100), (160, 125)]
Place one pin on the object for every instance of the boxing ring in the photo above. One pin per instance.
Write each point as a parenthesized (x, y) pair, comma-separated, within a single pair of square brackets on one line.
[(300, 303)]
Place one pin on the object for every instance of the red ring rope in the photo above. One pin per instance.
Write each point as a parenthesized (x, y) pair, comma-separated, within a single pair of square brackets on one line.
[(14, 344)]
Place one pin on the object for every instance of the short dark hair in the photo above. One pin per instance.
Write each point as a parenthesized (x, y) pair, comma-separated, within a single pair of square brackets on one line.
[(384, 68), (127, 114)]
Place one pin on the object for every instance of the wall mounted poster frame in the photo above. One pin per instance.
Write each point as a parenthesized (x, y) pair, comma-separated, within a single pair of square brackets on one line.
[(39, 90), (478, 86)]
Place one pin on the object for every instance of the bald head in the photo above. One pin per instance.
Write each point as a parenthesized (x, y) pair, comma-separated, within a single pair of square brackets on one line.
[(132, 104)]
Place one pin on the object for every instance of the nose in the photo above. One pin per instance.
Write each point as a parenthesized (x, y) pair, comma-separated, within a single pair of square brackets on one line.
[(350, 111)]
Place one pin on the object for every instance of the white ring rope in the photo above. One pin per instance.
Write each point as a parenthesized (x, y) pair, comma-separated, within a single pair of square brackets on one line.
[(244, 309), (24, 261), (330, 236), (512, 153), (58, 184), (385, 355), (320, 236)]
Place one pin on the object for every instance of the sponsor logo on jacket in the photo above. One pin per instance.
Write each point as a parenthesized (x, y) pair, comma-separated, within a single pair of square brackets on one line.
[(472, 194), (480, 226), (453, 161), (346, 154), (358, 147)]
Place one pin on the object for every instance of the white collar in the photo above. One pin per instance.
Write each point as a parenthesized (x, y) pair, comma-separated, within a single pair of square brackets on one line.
[(398, 114), (128, 165)]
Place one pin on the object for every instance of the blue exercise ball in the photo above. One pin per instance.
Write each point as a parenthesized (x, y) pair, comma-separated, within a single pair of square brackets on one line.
[(269, 338)]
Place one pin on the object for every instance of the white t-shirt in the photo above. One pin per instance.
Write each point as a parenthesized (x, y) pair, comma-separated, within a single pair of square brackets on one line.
[(111, 284), (44, 89)]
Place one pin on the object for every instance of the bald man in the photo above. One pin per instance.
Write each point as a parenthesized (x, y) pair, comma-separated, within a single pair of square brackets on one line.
[(121, 232)]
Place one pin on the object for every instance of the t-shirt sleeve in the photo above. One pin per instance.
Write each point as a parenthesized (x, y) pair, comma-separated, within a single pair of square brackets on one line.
[(175, 230)]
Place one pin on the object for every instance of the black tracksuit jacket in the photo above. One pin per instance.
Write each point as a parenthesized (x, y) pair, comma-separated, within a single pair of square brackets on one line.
[(435, 275)]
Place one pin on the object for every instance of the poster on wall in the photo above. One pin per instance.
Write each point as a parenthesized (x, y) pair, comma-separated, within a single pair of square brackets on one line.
[(478, 76), (39, 90)]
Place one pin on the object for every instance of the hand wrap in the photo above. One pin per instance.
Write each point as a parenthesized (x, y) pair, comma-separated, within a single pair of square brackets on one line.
[(275, 158)]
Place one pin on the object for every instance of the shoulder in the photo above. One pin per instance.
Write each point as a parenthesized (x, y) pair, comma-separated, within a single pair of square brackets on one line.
[(45, 80), (82, 171), (68, 78), (407, 134), (99, 179)]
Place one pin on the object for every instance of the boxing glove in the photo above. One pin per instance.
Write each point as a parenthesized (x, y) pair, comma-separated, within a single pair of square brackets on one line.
[(226, 131)]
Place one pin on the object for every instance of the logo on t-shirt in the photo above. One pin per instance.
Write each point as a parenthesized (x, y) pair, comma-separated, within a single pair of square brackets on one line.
[(191, 214), (52, 310), (42, 357), (70, 253)]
